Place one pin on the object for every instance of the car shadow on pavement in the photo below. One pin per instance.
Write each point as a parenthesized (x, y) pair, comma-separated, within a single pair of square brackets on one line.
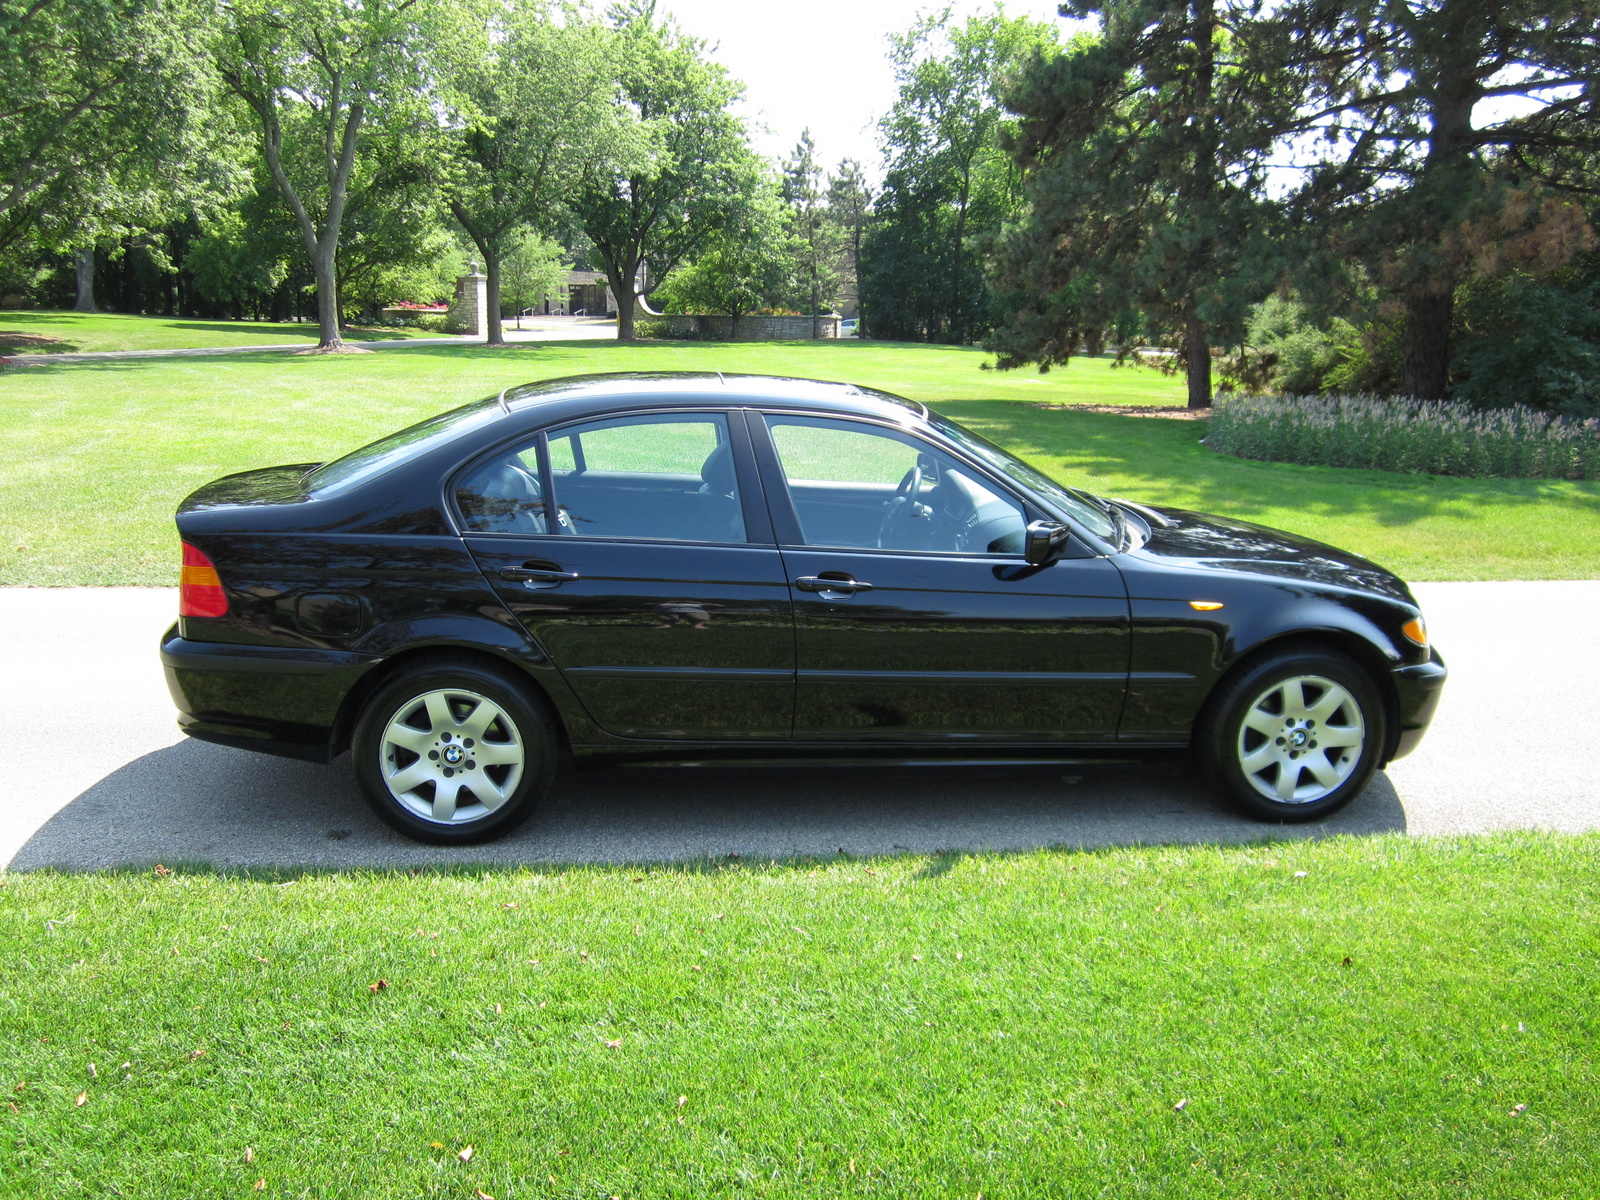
[(202, 805)]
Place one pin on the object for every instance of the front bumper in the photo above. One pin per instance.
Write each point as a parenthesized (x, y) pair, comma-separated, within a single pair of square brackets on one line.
[(276, 699), (1417, 690)]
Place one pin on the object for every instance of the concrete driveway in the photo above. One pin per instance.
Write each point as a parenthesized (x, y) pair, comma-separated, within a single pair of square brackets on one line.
[(100, 776)]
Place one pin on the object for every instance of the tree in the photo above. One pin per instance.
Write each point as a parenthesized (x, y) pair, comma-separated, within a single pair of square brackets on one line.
[(663, 209), (1143, 152), (316, 75), (394, 232), (816, 239), (949, 185), (88, 88), (1443, 140), (849, 209), (754, 263), (532, 270), (542, 118), (103, 106)]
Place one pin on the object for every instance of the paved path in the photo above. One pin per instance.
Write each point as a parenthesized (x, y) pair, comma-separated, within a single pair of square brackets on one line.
[(99, 775), (535, 329)]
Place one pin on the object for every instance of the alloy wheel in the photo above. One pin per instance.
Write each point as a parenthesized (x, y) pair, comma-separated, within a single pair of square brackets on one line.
[(1300, 739), (451, 756)]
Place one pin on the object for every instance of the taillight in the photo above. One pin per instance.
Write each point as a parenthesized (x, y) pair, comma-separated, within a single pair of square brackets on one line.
[(200, 591)]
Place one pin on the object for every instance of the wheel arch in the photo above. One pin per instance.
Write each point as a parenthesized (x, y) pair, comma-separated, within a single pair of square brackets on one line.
[(1345, 641), (441, 651)]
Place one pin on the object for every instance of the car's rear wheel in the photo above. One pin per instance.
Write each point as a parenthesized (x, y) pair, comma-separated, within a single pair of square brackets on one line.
[(454, 753), (1293, 737)]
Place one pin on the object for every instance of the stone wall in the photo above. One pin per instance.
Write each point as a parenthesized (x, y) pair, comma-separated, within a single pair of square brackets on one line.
[(752, 329)]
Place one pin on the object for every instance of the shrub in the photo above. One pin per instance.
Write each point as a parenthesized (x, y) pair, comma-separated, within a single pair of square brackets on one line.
[(1303, 357), (1529, 341), (432, 322), (1414, 436), (663, 329)]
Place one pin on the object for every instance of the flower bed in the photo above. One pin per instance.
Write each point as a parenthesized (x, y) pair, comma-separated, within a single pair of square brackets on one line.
[(1414, 436)]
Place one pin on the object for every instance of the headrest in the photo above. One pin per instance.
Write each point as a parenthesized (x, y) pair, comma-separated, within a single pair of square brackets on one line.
[(508, 481), (718, 471)]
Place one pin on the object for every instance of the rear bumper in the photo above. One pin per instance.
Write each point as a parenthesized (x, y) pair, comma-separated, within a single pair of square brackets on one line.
[(1417, 688), (278, 700)]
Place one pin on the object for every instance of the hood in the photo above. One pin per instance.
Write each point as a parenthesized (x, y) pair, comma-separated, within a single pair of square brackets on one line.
[(1220, 543), (247, 489)]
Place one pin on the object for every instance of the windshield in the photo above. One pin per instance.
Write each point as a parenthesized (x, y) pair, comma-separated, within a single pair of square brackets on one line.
[(1081, 507), (391, 451)]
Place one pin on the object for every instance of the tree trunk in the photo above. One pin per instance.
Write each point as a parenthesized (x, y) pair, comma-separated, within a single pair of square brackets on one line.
[(1202, 187), (83, 264), (1447, 172), (1426, 373), (1197, 351), (491, 268), (327, 295), (624, 293)]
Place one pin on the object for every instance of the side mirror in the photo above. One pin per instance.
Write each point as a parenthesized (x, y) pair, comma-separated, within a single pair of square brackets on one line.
[(1044, 541)]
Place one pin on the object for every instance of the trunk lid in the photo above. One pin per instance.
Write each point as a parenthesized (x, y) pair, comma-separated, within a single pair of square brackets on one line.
[(250, 489)]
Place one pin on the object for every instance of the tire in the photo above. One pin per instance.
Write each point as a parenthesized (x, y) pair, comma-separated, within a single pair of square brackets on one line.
[(454, 753), (1294, 737)]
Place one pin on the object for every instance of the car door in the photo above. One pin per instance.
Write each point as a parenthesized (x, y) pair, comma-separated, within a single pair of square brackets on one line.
[(916, 616), (658, 592)]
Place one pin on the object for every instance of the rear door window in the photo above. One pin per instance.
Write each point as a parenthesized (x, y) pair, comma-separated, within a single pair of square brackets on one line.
[(661, 477)]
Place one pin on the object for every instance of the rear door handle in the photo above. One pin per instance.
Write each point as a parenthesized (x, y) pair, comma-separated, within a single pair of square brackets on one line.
[(821, 583), (537, 575)]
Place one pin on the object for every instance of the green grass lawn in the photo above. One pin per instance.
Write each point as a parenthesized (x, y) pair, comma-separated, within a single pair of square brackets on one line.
[(99, 454), (1374, 1018), (68, 332)]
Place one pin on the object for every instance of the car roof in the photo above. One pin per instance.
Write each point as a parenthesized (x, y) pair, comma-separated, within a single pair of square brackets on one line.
[(701, 386)]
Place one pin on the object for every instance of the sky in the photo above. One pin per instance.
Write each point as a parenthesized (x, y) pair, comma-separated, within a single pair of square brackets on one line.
[(821, 64)]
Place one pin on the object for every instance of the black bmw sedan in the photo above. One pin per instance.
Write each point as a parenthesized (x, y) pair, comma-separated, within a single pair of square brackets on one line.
[(676, 567)]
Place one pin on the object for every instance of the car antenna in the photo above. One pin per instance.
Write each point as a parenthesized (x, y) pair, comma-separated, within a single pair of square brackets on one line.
[(721, 380), (501, 401)]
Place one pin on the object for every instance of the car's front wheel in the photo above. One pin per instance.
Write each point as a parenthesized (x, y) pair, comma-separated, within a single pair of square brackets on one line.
[(1295, 736), (454, 753)]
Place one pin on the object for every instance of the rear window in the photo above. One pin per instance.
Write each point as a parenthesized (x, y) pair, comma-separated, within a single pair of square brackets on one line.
[(386, 453)]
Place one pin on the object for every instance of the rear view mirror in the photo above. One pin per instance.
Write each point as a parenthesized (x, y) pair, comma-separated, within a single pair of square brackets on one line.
[(1044, 542)]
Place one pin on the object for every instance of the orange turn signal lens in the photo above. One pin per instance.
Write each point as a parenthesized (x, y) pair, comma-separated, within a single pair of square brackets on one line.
[(1205, 605), (200, 591), (1416, 630)]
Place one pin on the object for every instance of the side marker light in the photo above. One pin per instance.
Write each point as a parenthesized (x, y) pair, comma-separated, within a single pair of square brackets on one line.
[(1416, 630), (1205, 605)]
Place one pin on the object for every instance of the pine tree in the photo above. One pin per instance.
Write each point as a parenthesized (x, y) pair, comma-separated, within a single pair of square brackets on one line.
[(850, 211), (1413, 176), (1144, 152), (816, 252)]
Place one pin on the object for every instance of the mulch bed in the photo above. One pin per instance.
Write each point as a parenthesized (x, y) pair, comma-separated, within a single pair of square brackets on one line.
[(1171, 412), (26, 343)]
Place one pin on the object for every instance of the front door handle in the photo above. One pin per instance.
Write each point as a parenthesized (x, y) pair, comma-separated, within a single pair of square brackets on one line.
[(537, 575), (823, 583)]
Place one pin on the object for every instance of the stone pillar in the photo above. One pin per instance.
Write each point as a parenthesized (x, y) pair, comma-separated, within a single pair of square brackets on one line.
[(470, 312)]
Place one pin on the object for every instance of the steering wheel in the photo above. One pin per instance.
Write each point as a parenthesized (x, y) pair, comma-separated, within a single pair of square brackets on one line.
[(900, 509)]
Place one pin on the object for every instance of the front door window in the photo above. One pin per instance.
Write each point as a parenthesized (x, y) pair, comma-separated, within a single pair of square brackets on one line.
[(862, 487)]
